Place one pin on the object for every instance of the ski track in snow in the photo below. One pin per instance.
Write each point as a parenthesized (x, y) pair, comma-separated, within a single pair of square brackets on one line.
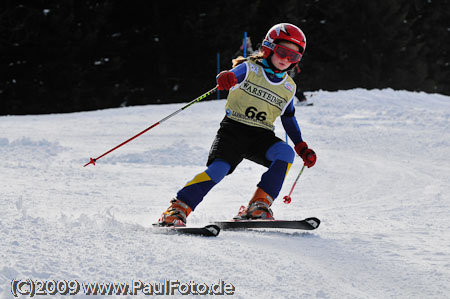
[(381, 188)]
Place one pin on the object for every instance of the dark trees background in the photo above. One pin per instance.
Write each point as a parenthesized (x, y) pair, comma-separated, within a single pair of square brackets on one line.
[(69, 55)]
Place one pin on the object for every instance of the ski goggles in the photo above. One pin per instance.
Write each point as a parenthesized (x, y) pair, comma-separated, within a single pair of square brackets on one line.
[(284, 52)]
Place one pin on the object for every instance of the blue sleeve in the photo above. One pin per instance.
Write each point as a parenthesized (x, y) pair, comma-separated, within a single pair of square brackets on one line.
[(290, 124), (240, 71)]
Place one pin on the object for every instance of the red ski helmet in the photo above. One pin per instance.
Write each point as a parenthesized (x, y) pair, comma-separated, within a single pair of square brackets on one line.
[(287, 32)]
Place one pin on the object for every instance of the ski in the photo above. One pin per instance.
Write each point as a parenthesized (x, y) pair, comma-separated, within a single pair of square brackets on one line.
[(305, 224), (210, 230)]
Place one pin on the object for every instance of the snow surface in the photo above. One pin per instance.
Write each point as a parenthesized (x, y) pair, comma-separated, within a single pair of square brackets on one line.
[(380, 186)]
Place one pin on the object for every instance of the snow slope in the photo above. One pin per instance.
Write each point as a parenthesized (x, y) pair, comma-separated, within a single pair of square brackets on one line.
[(381, 188)]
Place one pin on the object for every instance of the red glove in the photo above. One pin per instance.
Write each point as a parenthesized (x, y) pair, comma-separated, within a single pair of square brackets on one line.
[(308, 155), (226, 80)]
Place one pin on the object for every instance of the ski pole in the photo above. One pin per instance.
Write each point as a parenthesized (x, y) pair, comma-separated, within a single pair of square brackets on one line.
[(287, 198), (92, 160)]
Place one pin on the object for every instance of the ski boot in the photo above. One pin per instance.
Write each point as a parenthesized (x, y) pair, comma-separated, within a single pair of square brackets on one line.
[(258, 207), (176, 214)]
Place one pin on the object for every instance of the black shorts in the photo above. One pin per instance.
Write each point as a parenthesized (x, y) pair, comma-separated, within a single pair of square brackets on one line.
[(235, 141)]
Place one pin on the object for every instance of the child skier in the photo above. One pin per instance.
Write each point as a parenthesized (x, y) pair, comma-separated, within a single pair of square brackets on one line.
[(259, 91)]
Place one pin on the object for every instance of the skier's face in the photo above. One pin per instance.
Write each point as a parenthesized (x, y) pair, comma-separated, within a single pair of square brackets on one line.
[(283, 63)]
